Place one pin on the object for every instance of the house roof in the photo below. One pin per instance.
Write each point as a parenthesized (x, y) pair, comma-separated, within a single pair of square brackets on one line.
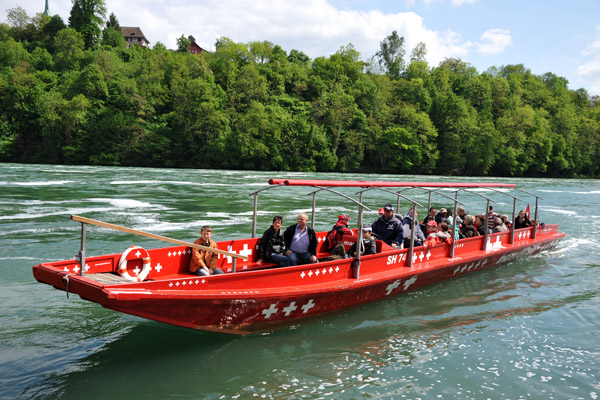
[(133, 31)]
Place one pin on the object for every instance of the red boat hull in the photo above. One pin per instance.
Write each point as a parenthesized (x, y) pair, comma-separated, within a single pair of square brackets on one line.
[(257, 300)]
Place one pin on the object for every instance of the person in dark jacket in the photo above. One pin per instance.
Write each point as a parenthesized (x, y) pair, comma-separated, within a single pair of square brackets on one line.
[(271, 247), (388, 228), (467, 228), (301, 242), (368, 243), (522, 221)]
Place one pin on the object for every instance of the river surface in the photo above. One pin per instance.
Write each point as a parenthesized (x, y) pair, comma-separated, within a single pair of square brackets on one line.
[(528, 329)]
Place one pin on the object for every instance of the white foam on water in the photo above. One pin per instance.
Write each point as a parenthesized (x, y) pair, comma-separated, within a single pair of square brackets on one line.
[(127, 203), (571, 192), (177, 183), (557, 210), (39, 183)]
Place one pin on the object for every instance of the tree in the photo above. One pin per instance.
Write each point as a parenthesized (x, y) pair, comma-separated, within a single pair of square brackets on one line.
[(111, 34), (391, 55), (86, 18), (183, 44)]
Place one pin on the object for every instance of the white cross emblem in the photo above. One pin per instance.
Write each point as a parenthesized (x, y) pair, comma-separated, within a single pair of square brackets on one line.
[(76, 269), (244, 252), (290, 308), (317, 272), (421, 257), (137, 270), (138, 254), (310, 274), (269, 311), (302, 275), (410, 281), (158, 267), (308, 306), (392, 286), (324, 271), (337, 268), (428, 255), (171, 284), (330, 270)]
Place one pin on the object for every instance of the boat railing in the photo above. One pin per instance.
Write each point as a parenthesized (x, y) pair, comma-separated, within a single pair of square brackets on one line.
[(80, 257)]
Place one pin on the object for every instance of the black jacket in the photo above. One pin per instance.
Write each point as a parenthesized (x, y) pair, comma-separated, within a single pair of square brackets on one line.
[(271, 242), (288, 235)]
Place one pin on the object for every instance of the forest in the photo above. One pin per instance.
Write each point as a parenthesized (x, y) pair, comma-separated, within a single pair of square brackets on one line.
[(71, 93)]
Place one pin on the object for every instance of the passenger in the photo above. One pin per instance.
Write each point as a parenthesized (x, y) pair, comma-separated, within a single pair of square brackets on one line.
[(301, 242), (432, 213), (491, 215), (507, 222), (368, 243), (522, 221), (480, 224), (204, 262), (499, 226), (336, 234), (388, 228), (407, 227), (271, 247), (441, 216), (468, 227), (461, 215), (424, 224), (444, 232)]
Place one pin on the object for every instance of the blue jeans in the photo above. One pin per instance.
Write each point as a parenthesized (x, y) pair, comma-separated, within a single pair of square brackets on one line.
[(283, 261), (202, 272), (304, 258)]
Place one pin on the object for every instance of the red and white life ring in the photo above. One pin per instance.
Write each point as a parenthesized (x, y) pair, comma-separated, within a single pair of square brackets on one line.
[(143, 254)]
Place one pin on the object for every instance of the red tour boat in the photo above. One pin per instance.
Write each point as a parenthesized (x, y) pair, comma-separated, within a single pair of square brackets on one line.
[(251, 297)]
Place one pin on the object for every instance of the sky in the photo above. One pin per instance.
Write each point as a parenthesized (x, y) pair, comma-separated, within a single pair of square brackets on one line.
[(562, 37)]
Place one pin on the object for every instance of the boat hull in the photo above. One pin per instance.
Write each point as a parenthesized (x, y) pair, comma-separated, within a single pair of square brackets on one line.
[(249, 301)]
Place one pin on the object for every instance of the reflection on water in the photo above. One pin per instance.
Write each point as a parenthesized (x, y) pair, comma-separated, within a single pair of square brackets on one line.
[(524, 330)]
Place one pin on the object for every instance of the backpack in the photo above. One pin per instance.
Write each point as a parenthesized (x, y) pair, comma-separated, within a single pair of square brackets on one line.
[(334, 236)]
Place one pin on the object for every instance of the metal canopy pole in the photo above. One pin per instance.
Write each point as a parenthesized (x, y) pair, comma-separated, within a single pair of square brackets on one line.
[(515, 198), (81, 256), (487, 207), (314, 207), (255, 213), (454, 225), (536, 210)]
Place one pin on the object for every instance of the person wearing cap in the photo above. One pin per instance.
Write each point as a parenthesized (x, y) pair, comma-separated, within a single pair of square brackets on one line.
[(407, 222), (336, 234), (368, 243), (388, 228), (441, 216), (301, 242)]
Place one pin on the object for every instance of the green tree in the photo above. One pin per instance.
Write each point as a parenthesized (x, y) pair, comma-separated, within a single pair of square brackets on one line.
[(391, 55), (87, 17)]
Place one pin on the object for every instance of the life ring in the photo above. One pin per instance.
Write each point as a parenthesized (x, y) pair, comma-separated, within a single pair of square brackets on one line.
[(122, 266)]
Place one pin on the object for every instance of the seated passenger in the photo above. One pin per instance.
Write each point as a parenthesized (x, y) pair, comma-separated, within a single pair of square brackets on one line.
[(335, 235), (480, 224), (407, 227), (368, 243), (491, 215), (436, 236), (467, 229), (522, 221), (301, 242), (431, 215), (271, 247), (204, 262), (506, 222), (424, 224), (441, 216), (499, 226), (388, 228)]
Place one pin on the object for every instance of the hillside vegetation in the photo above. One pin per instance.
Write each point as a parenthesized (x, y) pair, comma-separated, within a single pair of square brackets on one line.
[(256, 106)]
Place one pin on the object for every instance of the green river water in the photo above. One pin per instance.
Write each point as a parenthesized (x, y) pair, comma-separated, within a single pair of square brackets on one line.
[(528, 329)]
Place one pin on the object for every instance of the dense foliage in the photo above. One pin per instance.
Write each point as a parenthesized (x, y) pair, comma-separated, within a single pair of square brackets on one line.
[(71, 97)]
